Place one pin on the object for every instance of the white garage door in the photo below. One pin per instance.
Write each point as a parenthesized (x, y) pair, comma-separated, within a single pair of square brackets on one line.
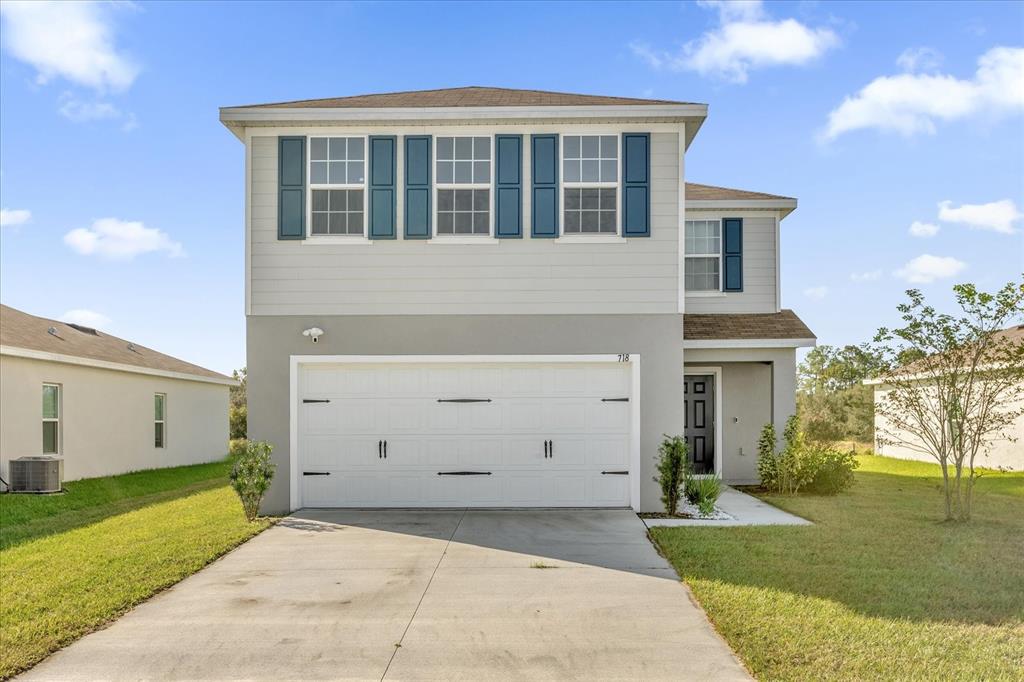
[(467, 434)]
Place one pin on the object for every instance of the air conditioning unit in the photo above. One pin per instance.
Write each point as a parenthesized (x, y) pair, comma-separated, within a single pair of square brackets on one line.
[(37, 474)]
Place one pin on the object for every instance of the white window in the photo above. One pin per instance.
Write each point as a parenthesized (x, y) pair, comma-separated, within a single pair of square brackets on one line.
[(51, 419), (159, 420), (337, 181), (590, 179), (703, 247), (463, 173)]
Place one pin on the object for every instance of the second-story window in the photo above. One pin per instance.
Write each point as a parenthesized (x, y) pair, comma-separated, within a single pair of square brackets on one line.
[(463, 185), (337, 180), (590, 179), (703, 248)]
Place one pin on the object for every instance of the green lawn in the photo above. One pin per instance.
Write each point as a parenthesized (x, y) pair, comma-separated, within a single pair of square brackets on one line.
[(878, 588), (70, 563)]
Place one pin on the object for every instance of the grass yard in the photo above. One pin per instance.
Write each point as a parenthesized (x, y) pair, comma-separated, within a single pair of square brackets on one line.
[(878, 588), (70, 563)]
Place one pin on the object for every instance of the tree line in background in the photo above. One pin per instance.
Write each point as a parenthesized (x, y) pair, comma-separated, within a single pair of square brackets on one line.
[(238, 413)]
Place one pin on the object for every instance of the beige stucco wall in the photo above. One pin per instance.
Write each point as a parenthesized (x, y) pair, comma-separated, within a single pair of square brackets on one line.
[(758, 386), (107, 418), (1000, 453)]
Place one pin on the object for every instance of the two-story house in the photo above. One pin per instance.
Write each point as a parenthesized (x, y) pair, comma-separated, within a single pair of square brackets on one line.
[(502, 298)]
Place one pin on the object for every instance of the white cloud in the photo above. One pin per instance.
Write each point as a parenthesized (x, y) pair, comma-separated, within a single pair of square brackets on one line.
[(9, 217), (998, 216), (816, 293), (923, 230), (86, 318), (121, 240), (80, 111), (869, 276), (927, 268), (746, 39), (914, 59), (69, 40), (912, 103)]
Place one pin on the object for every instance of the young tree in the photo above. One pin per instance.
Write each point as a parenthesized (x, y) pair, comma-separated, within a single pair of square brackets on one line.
[(963, 387), (238, 410)]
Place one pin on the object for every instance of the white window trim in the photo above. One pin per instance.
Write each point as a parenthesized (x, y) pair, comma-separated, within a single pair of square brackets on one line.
[(58, 444), (337, 238), (590, 237), (705, 293), (462, 238), (160, 421)]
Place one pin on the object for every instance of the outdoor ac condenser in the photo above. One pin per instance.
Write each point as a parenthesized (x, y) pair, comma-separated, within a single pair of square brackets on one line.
[(37, 474)]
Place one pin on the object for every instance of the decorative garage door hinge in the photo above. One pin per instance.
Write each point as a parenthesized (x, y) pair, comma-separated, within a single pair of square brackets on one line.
[(463, 400), (463, 473), (614, 400), (615, 473), (316, 473), (315, 400)]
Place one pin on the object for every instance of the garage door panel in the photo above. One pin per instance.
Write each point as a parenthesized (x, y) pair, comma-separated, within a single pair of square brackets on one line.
[(530, 404)]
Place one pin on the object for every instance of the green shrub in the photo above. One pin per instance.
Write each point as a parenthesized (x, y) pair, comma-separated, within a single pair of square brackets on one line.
[(251, 475), (673, 471), (833, 471), (802, 465), (767, 460), (706, 490)]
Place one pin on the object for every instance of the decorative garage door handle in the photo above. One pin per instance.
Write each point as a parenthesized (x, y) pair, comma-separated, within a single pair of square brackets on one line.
[(463, 400), (315, 400), (616, 473), (463, 473), (614, 400), (316, 473)]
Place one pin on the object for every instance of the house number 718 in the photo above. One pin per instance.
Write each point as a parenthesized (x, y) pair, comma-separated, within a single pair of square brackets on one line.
[(623, 357)]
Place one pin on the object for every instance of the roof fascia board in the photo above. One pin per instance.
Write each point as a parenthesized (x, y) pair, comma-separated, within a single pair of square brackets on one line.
[(749, 343), (28, 353), (786, 206)]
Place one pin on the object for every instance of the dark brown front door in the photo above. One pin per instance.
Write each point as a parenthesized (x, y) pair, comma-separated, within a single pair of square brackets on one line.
[(699, 421)]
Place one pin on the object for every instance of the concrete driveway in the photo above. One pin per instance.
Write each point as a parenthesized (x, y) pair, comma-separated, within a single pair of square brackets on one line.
[(419, 595)]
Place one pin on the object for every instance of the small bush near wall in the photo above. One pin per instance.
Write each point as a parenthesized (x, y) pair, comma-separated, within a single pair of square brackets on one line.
[(802, 465), (703, 491), (236, 446), (673, 471), (251, 476)]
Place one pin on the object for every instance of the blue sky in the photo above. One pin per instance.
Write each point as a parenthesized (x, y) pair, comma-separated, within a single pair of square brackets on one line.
[(123, 194)]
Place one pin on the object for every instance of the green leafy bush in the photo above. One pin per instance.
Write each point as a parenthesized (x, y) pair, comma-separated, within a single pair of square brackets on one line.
[(237, 421), (703, 491), (833, 471), (673, 471), (236, 446), (251, 475), (802, 465)]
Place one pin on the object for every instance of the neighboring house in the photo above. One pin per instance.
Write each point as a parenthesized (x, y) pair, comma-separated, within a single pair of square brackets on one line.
[(998, 453), (505, 307), (107, 406)]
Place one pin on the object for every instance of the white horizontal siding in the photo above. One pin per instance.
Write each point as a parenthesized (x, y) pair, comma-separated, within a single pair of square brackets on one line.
[(513, 276), (759, 293)]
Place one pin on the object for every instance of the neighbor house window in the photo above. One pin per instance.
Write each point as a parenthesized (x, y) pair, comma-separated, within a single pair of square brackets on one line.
[(703, 255), (463, 185), (337, 180), (51, 419), (590, 178), (159, 419)]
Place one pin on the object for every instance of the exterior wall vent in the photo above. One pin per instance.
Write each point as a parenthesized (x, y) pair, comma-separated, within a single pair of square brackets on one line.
[(37, 474), (83, 329)]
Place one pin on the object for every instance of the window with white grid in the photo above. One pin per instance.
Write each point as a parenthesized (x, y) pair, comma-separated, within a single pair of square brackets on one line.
[(590, 178), (463, 172), (703, 249), (337, 180)]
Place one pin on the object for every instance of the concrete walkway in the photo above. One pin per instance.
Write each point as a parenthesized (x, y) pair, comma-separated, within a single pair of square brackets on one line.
[(745, 510), (419, 595)]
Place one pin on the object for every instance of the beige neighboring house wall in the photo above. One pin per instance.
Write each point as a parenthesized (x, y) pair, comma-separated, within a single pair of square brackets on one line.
[(107, 389), (1002, 453)]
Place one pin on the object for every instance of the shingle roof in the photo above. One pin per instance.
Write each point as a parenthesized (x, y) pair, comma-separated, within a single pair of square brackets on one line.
[(697, 192), (472, 96), (749, 326), (21, 330)]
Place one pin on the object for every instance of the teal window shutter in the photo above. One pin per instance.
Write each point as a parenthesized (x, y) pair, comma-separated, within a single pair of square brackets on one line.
[(732, 254), (508, 180), (291, 188), (544, 180), (382, 187), (417, 187), (636, 185)]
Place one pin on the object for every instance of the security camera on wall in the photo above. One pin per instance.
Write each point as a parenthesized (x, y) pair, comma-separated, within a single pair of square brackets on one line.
[(313, 333)]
